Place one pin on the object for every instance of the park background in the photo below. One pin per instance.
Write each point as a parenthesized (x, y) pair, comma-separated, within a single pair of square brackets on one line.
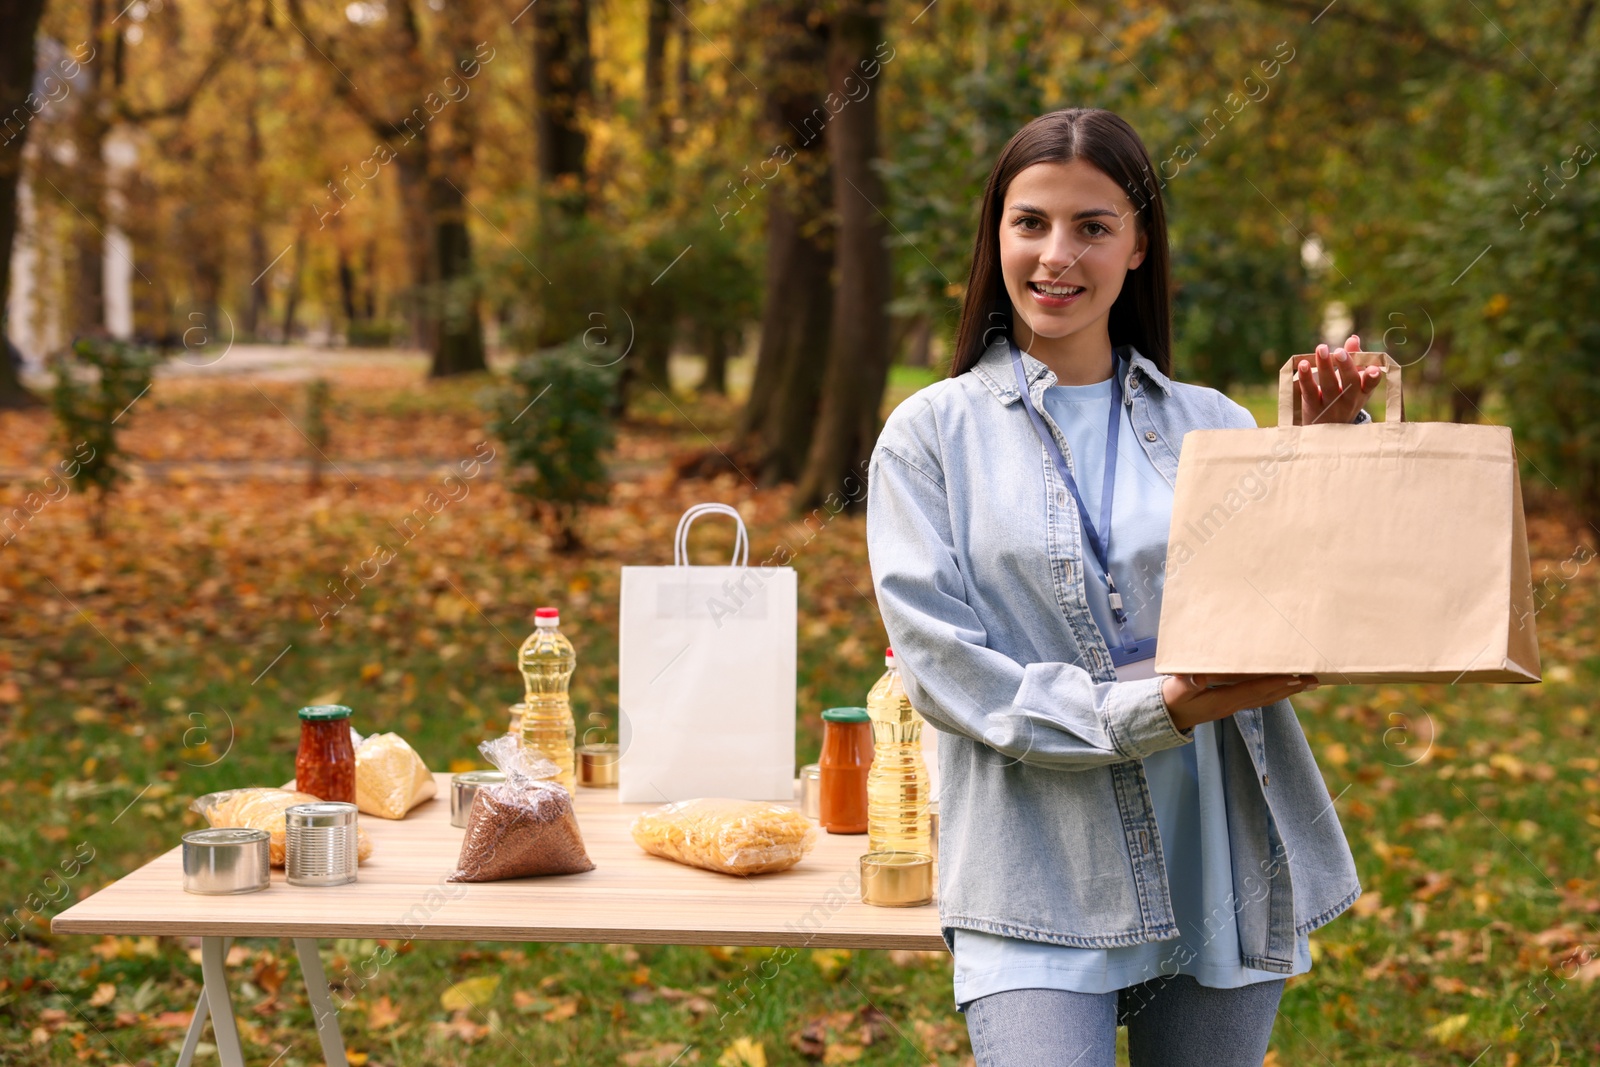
[(274, 269)]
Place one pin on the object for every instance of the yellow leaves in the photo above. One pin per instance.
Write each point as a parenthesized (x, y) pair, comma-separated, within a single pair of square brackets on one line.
[(564, 1009), (743, 1053), (85, 715), (830, 961), (355, 1059), (1336, 753), (1445, 1030), (558, 1010), (370, 672), (382, 1014), (470, 993), (1432, 884), (330, 697), (127, 948), (840, 1053), (1496, 306), (104, 994), (1367, 904), (458, 766), (450, 607)]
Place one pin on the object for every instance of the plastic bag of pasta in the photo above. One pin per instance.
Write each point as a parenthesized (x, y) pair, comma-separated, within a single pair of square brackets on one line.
[(262, 808), (525, 825), (731, 836), (391, 778)]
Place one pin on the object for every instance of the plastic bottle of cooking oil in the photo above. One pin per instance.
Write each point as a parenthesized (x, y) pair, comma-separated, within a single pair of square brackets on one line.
[(547, 661), (897, 787)]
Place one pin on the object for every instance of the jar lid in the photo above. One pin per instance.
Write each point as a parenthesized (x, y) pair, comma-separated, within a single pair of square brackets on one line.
[(324, 713), (846, 715)]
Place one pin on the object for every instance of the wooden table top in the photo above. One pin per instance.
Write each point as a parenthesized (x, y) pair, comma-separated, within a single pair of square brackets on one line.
[(630, 896)]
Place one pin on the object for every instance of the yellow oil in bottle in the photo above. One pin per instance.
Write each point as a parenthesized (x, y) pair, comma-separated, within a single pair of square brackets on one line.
[(547, 660), (897, 785)]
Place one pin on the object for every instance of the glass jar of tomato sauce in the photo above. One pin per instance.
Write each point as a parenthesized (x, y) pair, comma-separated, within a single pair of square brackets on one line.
[(325, 766), (843, 768)]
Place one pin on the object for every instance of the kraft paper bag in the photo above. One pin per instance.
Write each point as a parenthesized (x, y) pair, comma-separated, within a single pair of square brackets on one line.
[(706, 682), (1388, 552)]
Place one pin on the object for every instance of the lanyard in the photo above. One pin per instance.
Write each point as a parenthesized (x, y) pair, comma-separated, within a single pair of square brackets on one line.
[(1099, 537)]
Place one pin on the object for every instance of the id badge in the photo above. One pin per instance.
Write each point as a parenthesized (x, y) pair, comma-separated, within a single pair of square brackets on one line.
[(1135, 661)]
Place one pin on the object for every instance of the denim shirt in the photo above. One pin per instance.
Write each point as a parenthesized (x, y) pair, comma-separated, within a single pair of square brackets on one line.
[(1047, 832)]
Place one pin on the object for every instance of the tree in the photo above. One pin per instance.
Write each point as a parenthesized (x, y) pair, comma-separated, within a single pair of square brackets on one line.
[(427, 130), (781, 412), (563, 75), (17, 57), (858, 346)]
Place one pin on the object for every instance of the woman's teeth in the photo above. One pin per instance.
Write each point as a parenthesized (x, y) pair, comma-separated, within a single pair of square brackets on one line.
[(1055, 290)]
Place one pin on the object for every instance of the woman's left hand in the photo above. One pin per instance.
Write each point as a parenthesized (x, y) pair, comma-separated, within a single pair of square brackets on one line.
[(1344, 390)]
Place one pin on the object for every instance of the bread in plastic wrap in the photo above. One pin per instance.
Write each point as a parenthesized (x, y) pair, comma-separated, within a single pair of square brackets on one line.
[(731, 836), (391, 778), (262, 808), (523, 826)]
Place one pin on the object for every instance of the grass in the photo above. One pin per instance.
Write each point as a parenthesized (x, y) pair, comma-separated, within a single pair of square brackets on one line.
[(138, 673)]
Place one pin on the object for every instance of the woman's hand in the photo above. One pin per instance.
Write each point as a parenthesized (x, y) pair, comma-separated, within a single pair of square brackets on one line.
[(1197, 698), (1344, 389)]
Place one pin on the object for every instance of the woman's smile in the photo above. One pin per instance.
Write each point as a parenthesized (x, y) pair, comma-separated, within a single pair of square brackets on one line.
[(1051, 295)]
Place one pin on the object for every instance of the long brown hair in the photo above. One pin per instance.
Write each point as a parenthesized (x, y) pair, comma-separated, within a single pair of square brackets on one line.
[(1142, 313)]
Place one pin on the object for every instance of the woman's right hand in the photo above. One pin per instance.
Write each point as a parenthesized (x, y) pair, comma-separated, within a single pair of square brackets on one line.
[(1197, 698)]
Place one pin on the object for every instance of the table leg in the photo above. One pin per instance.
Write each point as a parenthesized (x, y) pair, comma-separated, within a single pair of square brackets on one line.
[(196, 1024), (213, 956), (322, 1009)]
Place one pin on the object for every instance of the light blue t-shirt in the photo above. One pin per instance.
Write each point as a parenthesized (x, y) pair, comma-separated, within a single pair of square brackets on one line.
[(1185, 782)]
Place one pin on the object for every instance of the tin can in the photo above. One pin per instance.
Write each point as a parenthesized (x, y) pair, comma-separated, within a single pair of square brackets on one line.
[(896, 879), (320, 844), (811, 791), (226, 860), (463, 788), (597, 765)]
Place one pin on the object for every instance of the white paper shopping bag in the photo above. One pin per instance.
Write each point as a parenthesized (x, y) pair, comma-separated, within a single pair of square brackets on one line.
[(706, 680)]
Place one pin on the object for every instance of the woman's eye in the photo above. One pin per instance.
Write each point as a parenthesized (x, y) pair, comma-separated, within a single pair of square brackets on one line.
[(1027, 222), (1097, 229)]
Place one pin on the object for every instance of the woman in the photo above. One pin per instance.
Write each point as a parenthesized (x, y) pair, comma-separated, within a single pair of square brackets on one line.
[(1116, 846)]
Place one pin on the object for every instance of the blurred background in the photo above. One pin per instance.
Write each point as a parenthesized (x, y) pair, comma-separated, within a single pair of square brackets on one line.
[(276, 274)]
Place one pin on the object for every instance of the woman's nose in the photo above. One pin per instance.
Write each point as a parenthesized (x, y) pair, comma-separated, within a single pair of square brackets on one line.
[(1060, 254)]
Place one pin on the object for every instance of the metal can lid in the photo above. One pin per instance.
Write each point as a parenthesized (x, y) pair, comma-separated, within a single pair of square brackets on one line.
[(321, 813), (846, 715), (324, 713), (227, 836), (479, 777)]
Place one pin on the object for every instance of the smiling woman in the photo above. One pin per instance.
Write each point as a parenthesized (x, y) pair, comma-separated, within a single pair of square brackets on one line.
[(1111, 850)]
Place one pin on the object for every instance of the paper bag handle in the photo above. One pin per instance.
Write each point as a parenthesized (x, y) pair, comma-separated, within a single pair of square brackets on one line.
[(741, 541), (1394, 408)]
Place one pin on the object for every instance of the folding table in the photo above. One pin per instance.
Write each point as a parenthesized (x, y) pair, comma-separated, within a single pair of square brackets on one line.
[(402, 893)]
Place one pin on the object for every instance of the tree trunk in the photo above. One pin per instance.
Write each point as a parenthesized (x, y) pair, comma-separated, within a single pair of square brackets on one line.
[(562, 85), (658, 18), (291, 304), (21, 19), (411, 170), (718, 342), (799, 312), (858, 351), (782, 407), (255, 308), (460, 326)]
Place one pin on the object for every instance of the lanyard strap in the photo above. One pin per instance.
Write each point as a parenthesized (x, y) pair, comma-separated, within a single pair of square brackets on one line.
[(1099, 543)]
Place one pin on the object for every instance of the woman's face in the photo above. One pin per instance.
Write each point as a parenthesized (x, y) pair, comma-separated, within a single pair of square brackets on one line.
[(1067, 239)]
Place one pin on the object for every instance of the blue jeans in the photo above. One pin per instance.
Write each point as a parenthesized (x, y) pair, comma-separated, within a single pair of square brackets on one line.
[(1172, 1022)]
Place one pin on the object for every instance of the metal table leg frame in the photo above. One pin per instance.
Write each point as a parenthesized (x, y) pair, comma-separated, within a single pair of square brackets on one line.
[(213, 957), (197, 1022), (322, 1009)]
